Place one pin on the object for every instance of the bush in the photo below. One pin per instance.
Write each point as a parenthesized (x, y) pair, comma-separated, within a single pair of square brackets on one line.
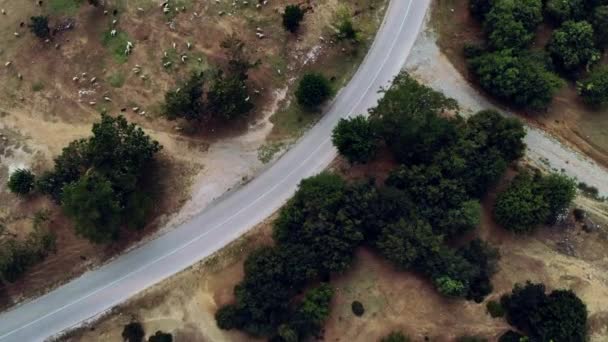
[(227, 317), (313, 90), (518, 78), (292, 17), (495, 309), (572, 46), (186, 101), (21, 182), (356, 139), (133, 332), (39, 25), (594, 88), (357, 308)]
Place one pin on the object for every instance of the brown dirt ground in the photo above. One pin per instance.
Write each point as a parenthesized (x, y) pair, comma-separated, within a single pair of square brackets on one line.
[(393, 299), (568, 118), (46, 109)]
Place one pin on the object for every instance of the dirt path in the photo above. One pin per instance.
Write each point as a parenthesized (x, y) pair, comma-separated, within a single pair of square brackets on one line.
[(427, 63)]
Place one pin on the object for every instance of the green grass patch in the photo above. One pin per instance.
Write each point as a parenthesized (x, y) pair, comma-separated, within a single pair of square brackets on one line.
[(267, 151), (37, 86), (116, 45), (68, 7), (117, 79)]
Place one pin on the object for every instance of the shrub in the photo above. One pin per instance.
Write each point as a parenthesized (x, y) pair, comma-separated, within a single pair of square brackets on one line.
[(21, 182), (133, 332), (313, 90), (292, 17), (39, 25), (594, 88), (357, 308), (495, 309)]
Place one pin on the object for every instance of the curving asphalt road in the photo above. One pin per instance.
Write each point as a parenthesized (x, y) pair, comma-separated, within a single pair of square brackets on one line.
[(98, 291)]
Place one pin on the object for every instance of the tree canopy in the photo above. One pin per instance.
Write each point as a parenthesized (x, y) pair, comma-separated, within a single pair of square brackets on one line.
[(39, 25), (356, 139), (572, 46), (594, 88), (313, 90), (559, 316), (516, 77)]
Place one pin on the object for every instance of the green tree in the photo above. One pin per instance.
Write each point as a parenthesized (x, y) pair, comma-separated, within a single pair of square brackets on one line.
[(395, 336), (93, 206), (563, 10), (239, 60), (292, 17), (187, 100), (594, 88), (160, 336), (356, 139), (73, 161), (559, 316), (21, 181), (490, 129), (313, 90), (39, 25), (518, 78), (600, 22), (572, 46), (511, 23), (312, 312), (228, 98), (522, 206), (558, 191), (479, 8), (133, 332), (227, 317)]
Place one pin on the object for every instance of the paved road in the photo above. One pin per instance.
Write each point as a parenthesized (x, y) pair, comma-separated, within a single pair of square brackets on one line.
[(99, 290)]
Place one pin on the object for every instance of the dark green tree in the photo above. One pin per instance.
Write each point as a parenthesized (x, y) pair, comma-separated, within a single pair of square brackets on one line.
[(313, 90), (73, 161), (39, 25), (312, 312), (187, 100), (21, 182), (600, 22), (292, 17), (594, 88), (560, 11), (512, 23), (572, 46), (160, 336), (228, 98), (93, 206), (479, 8), (356, 139), (518, 78), (558, 191), (522, 206), (559, 316), (133, 332)]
